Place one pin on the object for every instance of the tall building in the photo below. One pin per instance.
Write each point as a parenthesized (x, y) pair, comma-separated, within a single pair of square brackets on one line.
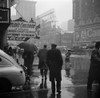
[(47, 21), (26, 9), (71, 25), (86, 14), (64, 25)]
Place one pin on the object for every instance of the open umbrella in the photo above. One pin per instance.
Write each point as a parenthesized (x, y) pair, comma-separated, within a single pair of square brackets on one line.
[(28, 46)]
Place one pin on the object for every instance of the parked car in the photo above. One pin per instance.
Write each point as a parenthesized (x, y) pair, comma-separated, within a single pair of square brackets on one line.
[(11, 74)]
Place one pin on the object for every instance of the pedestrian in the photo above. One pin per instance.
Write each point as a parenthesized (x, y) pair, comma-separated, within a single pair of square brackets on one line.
[(42, 55), (10, 51), (6, 49), (67, 63), (94, 71), (55, 62), (20, 53), (28, 61), (15, 52)]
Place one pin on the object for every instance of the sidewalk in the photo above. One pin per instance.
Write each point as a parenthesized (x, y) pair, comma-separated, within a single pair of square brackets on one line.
[(69, 90)]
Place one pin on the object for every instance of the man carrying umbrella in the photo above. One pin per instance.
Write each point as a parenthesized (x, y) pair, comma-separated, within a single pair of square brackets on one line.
[(28, 61), (28, 55)]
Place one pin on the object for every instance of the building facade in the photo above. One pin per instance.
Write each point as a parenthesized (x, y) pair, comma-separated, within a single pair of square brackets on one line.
[(86, 14), (65, 39), (70, 25), (47, 21), (26, 9)]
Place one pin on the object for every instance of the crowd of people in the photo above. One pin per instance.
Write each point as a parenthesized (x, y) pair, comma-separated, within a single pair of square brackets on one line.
[(52, 60), (49, 59), (15, 52)]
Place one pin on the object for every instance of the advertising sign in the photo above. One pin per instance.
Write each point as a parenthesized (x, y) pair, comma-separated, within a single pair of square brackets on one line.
[(20, 30)]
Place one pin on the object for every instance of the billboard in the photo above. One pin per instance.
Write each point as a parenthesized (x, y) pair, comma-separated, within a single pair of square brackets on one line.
[(19, 31)]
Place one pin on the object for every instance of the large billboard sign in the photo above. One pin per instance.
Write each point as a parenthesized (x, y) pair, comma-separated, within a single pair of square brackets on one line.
[(4, 15), (19, 31)]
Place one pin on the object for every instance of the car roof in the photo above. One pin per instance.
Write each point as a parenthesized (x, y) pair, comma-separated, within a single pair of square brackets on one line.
[(2, 53), (5, 55)]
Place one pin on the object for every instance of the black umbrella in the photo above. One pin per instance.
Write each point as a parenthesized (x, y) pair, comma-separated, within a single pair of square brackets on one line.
[(28, 46)]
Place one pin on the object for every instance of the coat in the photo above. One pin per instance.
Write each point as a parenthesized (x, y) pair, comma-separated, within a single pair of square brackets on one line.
[(94, 71), (42, 55), (28, 61), (54, 62), (28, 58)]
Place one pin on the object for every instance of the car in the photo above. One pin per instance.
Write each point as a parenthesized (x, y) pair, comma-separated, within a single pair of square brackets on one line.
[(11, 74), (63, 49)]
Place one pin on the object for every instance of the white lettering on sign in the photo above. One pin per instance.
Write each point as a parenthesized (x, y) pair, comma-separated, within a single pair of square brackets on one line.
[(18, 38), (21, 30), (23, 25)]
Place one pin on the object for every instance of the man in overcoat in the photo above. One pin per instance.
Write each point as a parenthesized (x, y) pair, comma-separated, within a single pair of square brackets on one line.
[(55, 62), (42, 54)]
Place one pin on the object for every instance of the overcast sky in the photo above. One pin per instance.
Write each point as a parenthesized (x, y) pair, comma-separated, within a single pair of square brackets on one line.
[(63, 8)]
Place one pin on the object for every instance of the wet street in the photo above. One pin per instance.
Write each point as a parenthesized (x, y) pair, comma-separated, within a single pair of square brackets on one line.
[(41, 89), (50, 34)]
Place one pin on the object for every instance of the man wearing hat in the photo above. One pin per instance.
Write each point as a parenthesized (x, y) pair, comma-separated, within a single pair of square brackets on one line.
[(55, 62)]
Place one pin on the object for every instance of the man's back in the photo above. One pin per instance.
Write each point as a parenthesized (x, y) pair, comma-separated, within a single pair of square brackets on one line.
[(42, 54), (54, 55), (54, 58)]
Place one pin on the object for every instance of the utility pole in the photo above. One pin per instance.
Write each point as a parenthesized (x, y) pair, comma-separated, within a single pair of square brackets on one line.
[(4, 19)]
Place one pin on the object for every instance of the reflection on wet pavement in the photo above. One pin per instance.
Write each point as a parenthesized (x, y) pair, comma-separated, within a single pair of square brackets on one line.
[(69, 92), (41, 89)]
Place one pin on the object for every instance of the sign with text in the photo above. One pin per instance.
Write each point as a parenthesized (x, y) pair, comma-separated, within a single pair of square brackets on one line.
[(4, 15), (20, 36), (20, 30)]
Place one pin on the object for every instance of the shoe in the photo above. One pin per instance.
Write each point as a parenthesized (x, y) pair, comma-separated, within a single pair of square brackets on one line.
[(58, 95), (52, 96), (41, 86), (59, 92), (45, 77)]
